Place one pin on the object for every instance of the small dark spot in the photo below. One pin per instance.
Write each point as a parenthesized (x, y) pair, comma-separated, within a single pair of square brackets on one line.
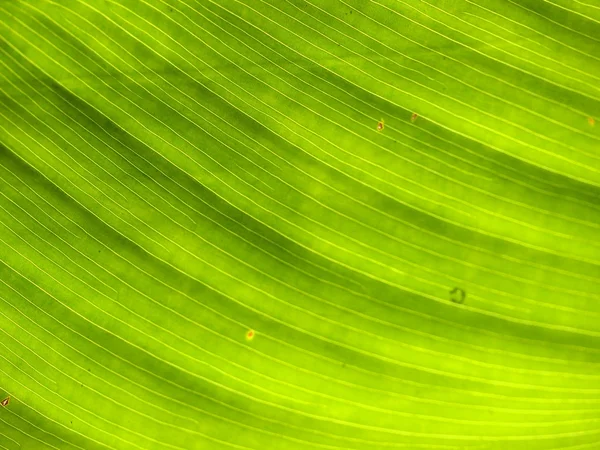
[(414, 117), (457, 295)]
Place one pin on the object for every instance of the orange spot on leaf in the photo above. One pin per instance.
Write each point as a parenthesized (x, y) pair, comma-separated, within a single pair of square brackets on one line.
[(591, 121), (250, 334), (380, 125)]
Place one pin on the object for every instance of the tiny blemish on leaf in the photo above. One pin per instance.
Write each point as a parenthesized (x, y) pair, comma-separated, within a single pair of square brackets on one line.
[(414, 117), (250, 335), (591, 121), (457, 295), (380, 125), (5, 402)]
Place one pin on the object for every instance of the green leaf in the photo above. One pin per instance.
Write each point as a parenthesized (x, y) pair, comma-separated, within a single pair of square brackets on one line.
[(300, 224)]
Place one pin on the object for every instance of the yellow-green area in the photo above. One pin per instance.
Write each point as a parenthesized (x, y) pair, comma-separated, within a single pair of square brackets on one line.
[(300, 224)]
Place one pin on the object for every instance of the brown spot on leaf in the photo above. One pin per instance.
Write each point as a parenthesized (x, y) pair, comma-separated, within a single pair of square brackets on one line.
[(5, 402), (380, 125), (414, 117)]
